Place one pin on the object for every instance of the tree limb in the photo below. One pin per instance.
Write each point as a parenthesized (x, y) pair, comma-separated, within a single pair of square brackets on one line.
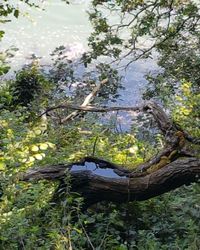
[(164, 123), (89, 98), (96, 179), (95, 187)]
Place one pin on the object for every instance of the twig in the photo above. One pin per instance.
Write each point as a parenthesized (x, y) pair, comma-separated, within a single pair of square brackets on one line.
[(94, 145), (105, 234), (86, 234), (90, 108)]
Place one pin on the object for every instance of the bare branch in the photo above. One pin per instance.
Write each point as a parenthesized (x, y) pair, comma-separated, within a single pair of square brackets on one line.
[(168, 127), (96, 179), (96, 187), (89, 98), (164, 123)]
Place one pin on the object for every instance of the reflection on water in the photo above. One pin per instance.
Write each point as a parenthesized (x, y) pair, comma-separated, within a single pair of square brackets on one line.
[(95, 169), (40, 32)]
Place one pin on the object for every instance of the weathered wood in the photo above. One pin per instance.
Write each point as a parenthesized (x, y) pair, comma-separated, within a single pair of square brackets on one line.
[(97, 180), (95, 188), (88, 99), (184, 171)]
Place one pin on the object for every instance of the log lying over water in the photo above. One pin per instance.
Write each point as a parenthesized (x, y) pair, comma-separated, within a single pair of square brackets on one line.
[(97, 180)]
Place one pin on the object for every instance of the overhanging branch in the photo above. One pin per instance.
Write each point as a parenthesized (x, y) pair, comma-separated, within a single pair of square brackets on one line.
[(164, 123), (95, 187), (96, 179)]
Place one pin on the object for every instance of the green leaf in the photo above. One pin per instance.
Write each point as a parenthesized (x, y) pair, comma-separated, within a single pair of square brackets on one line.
[(38, 156), (2, 33), (34, 148), (43, 146), (2, 166), (16, 13)]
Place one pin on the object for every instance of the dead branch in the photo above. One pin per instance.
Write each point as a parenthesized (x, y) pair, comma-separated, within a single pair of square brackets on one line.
[(96, 179), (95, 187), (164, 123), (89, 98)]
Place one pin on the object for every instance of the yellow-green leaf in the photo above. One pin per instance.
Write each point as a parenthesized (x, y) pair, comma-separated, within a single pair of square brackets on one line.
[(34, 148), (38, 132), (38, 156), (133, 149), (2, 166), (43, 146), (51, 145), (31, 159)]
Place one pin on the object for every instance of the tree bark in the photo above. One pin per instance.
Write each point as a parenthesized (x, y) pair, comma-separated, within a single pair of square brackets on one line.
[(98, 180), (95, 188)]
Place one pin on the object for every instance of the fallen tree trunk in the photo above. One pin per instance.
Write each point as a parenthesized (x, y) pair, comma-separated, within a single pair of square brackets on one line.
[(98, 180), (95, 186)]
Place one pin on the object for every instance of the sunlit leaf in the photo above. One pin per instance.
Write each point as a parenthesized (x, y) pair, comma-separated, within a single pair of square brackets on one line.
[(44, 146), (38, 132), (2, 166), (38, 156), (34, 148)]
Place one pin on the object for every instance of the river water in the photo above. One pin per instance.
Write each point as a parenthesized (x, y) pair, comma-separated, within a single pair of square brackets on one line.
[(40, 31)]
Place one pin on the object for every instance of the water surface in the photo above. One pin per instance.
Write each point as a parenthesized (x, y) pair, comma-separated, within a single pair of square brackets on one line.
[(41, 31)]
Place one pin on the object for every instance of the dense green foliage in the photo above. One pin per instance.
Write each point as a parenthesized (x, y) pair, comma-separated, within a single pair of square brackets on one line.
[(30, 217), (31, 221)]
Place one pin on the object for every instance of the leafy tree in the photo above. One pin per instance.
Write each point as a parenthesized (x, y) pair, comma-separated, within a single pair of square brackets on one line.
[(30, 216), (168, 31), (141, 26)]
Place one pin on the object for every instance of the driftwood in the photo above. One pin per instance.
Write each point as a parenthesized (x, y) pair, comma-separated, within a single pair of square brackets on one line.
[(97, 180)]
